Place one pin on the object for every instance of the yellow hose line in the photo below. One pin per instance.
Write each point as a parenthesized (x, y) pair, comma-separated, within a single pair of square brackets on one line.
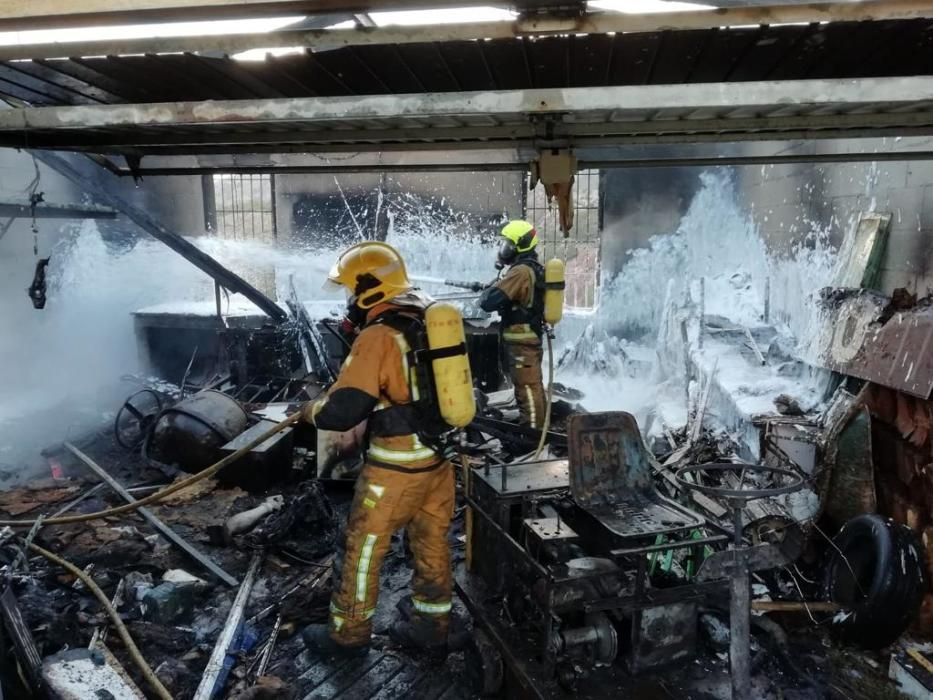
[(168, 490), (151, 678), (550, 397)]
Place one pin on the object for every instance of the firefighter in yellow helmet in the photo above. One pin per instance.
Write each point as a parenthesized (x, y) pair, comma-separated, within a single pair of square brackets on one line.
[(518, 296), (404, 483)]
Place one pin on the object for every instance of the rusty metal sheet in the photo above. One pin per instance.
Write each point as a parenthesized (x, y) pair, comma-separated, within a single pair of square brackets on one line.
[(897, 354)]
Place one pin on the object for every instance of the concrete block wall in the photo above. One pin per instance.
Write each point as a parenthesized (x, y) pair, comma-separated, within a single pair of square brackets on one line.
[(788, 201), (481, 195)]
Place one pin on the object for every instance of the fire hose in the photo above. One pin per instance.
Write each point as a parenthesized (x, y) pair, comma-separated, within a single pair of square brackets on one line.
[(168, 490), (550, 392), (150, 676)]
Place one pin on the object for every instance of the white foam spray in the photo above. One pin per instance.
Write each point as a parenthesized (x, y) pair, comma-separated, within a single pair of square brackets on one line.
[(716, 240)]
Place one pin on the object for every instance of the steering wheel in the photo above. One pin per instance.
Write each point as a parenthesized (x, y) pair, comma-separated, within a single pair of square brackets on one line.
[(741, 492), (136, 417)]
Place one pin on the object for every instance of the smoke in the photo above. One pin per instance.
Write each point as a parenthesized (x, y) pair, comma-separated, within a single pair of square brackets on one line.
[(61, 367)]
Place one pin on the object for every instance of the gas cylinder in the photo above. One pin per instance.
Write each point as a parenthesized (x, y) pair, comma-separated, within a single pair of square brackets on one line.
[(450, 364), (553, 291)]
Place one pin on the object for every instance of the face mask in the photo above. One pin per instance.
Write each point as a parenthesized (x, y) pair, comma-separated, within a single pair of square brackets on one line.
[(507, 253), (355, 314)]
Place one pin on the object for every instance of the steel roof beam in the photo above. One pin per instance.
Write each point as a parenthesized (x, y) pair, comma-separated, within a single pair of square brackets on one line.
[(621, 102), (517, 166), (535, 25)]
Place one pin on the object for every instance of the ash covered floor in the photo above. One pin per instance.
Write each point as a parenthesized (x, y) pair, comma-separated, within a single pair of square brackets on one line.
[(176, 634), (62, 615)]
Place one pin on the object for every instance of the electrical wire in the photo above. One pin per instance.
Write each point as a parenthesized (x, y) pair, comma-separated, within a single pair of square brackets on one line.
[(135, 654)]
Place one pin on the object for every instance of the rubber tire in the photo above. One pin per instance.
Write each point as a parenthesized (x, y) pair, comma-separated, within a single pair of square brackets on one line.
[(888, 562)]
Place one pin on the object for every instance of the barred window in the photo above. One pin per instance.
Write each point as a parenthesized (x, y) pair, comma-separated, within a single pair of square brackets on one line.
[(243, 206), (580, 250)]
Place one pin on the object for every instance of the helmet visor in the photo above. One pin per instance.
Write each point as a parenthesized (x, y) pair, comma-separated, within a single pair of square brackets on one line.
[(332, 287)]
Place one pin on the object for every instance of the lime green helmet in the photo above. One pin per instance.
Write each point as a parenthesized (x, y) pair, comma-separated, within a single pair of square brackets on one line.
[(520, 237)]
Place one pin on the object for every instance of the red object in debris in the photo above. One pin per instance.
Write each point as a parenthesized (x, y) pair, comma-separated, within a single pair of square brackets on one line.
[(57, 472)]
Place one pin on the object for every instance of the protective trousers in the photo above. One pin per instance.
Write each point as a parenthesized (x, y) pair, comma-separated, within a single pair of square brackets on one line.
[(384, 501), (525, 370)]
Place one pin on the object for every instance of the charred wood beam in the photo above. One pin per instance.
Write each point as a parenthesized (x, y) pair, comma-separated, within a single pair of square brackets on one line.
[(529, 25)]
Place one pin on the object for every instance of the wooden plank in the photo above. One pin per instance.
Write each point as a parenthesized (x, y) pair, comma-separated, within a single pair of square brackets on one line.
[(339, 682), (207, 688), (23, 643), (377, 677), (400, 685)]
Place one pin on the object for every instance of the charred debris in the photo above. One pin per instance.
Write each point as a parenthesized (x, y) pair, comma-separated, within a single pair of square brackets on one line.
[(786, 557)]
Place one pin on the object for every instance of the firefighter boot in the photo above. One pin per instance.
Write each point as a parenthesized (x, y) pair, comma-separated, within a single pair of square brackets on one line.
[(414, 634), (317, 638)]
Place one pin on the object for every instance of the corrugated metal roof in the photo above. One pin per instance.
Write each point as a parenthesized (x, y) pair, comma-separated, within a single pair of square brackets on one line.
[(834, 50)]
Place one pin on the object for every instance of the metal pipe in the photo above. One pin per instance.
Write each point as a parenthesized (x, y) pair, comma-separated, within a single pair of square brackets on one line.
[(740, 632), (739, 614), (157, 525), (714, 539)]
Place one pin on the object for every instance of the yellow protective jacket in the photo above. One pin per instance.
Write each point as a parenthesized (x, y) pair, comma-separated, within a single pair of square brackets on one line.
[(375, 382), (519, 298)]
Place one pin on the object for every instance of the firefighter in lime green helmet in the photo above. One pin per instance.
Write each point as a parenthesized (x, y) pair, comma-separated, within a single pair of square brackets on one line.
[(518, 297)]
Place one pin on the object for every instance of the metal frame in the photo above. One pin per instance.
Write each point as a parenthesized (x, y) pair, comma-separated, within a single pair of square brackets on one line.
[(541, 118), (51, 210), (61, 13), (493, 504)]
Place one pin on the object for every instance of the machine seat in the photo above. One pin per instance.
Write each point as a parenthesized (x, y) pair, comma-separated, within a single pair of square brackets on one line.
[(611, 479)]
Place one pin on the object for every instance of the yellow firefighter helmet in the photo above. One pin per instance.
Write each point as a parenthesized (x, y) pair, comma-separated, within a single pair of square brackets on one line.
[(372, 272), (520, 237), (521, 234)]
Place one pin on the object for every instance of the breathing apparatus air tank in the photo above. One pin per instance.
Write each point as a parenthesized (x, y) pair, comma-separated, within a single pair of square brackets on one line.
[(450, 364), (553, 291)]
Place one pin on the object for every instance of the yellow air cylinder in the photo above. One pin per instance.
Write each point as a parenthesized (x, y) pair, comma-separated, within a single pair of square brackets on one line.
[(553, 291), (453, 380)]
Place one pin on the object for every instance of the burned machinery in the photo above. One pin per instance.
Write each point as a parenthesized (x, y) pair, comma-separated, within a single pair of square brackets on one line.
[(565, 583)]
